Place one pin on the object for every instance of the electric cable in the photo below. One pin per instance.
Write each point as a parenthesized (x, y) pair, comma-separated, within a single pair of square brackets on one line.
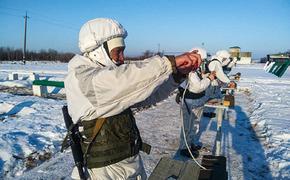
[(183, 131), (55, 23), (41, 18)]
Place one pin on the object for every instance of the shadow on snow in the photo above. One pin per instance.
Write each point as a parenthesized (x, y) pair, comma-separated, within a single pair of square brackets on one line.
[(239, 138)]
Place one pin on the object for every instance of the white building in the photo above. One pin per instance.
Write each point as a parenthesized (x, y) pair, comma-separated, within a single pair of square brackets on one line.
[(243, 57)]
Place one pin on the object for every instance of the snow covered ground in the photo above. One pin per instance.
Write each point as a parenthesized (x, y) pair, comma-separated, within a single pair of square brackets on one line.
[(256, 135), (268, 111)]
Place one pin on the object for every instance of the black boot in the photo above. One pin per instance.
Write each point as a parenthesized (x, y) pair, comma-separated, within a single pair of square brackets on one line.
[(184, 152), (209, 114), (194, 147)]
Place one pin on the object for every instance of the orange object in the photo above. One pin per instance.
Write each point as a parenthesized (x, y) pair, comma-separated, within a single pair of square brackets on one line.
[(226, 103)]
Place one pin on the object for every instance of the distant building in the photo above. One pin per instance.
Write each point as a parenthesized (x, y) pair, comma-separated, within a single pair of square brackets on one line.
[(242, 57), (277, 64), (280, 56)]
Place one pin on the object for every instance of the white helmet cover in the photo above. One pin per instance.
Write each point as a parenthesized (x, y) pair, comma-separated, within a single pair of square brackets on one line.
[(223, 54), (97, 31), (201, 52)]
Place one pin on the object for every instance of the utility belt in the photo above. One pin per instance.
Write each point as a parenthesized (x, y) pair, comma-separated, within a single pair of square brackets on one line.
[(190, 95)]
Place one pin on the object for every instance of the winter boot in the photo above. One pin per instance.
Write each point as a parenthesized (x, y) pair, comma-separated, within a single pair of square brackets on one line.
[(209, 114), (185, 152)]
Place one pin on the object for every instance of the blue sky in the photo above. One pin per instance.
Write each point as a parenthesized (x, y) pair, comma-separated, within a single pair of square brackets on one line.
[(259, 26)]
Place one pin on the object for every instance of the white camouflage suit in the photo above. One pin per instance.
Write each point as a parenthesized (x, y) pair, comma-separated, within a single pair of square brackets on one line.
[(214, 90), (94, 90), (193, 109)]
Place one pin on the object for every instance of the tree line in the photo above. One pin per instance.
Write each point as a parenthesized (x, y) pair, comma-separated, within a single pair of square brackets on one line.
[(11, 54), (144, 55)]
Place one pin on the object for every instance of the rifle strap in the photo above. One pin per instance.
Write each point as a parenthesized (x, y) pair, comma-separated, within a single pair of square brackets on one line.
[(97, 128), (65, 144)]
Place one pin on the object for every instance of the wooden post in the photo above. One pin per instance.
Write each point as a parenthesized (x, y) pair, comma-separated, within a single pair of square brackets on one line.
[(13, 76), (220, 110), (33, 76), (219, 131), (39, 90)]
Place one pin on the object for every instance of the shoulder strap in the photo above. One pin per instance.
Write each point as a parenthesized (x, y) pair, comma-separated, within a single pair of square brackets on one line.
[(142, 146), (207, 64), (228, 63), (214, 60), (198, 72), (97, 128)]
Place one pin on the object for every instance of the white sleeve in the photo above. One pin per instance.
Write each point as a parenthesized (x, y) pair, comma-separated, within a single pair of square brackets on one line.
[(163, 91), (217, 67), (195, 84), (112, 90)]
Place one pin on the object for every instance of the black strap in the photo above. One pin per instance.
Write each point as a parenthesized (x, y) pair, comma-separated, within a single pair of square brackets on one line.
[(229, 62), (191, 95), (180, 95), (140, 144), (226, 68), (207, 64), (198, 72), (214, 60)]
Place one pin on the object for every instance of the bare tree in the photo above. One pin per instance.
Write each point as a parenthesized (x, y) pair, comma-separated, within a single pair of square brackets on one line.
[(11, 54)]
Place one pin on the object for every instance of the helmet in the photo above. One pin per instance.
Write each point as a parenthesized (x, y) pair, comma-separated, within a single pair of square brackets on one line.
[(223, 54), (97, 31), (201, 52)]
